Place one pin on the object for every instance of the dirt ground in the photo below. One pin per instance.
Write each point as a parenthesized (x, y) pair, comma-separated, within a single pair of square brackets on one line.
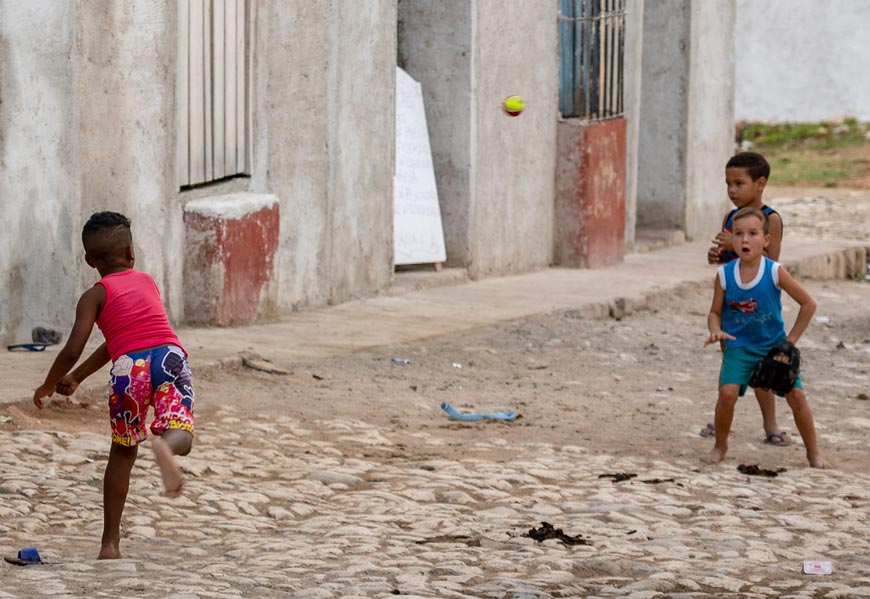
[(622, 394), (643, 386)]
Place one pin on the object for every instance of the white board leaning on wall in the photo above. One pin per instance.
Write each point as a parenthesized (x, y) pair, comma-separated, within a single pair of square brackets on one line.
[(417, 234)]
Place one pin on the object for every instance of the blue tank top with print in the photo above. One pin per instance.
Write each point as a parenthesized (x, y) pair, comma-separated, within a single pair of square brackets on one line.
[(752, 312), (728, 255)]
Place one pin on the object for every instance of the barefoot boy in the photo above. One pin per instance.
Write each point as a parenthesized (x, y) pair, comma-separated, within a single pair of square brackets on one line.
[(746, 176), (747, 315), (149, 367)]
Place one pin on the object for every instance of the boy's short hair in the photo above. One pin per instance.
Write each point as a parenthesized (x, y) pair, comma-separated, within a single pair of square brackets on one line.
[(106, 234), (754, 163), (744, 212)]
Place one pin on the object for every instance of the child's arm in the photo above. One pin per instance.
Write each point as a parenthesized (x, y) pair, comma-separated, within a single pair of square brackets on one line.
[(70, 382), (86, 314), (775, 244), (714, 318), (802, 297)]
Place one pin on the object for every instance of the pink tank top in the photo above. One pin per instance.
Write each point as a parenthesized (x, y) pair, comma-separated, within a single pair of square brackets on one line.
[(133, 317)]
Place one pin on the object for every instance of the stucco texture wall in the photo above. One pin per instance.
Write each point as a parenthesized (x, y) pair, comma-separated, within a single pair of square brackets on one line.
[(710, 134), (324, 144), (663, 110), (802, 60), (632, 79), (88, 122), (513, 158), (686, 115), (84, 128), (125, 134)]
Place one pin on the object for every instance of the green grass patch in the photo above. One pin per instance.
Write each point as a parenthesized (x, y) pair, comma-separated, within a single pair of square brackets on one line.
[(812, 154), (797, 169), (805, 136)]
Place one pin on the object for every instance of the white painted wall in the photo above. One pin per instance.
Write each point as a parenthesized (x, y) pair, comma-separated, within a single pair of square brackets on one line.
[(802, 60)]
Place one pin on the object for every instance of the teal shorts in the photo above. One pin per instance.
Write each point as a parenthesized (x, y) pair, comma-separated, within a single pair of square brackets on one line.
[(739, 362)]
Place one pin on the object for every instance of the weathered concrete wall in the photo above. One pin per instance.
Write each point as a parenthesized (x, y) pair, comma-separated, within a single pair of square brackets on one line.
[(802, 60), (590, 193), (88, 122), (37, 247), (514, 159), (664, 106), (325, 146), (361, 139), (710, 123), (124, 66), (632, 60), (495, 173), (229, 258), (84, 119), (435, 49), (291, 82), (686, 115)]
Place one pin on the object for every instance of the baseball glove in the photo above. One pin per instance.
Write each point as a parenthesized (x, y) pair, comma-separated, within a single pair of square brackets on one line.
[(774, 375)]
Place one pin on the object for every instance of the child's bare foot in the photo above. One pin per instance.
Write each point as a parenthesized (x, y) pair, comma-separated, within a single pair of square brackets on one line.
[(819, 462), (173, 479), (110, 551), (715, 456)]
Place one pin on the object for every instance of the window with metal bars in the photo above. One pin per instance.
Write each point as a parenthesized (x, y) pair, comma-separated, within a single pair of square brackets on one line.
[(591, 42)]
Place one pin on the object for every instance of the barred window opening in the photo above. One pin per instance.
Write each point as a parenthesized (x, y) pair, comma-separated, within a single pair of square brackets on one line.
[(591, 43)]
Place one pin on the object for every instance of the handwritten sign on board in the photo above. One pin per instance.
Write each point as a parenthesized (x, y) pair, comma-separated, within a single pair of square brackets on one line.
[(417, 234)]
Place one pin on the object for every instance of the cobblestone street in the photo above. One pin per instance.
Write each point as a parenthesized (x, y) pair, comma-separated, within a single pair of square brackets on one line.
[(296, 518), (343, 478)]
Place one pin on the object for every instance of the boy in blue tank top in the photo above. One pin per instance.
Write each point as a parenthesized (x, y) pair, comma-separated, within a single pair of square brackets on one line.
[(747, 316), (746, 176)]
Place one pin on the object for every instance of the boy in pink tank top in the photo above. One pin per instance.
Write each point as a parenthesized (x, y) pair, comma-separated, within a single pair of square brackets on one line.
[(149, 367)]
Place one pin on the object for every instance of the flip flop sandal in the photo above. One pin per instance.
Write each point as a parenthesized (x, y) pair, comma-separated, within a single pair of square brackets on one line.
[(778, 439), (507, 415), (27, 347), (708, 431)]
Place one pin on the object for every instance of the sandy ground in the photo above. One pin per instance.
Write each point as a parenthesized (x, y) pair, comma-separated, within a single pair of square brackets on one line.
[(641, 386), (622, 394)]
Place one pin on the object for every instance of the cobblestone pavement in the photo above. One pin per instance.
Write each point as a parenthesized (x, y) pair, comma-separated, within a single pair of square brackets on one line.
[(346, 515), (280, 506)]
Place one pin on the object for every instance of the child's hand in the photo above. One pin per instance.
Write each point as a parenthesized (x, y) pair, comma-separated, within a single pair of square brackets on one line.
[(724, 240), (41, 391), (67, 385), (718, 336), (713, 255)]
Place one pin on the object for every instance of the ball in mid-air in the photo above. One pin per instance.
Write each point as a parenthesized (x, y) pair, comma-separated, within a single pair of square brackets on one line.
[(513, 105)]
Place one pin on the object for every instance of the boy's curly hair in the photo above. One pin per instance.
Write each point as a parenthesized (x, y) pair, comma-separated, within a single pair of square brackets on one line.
[(104, 220), (106, 234), (754, 163)]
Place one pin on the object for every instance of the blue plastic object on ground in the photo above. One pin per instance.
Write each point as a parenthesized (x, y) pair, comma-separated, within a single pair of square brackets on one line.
[(507, 415), (28, 556)]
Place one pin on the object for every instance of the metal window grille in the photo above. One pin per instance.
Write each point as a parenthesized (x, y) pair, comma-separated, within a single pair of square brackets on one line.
[(212, 90), (591, 42)]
